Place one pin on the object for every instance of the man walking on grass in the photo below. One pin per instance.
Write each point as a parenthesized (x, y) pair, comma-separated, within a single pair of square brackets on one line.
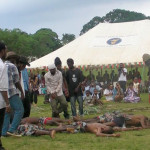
[(13, 95), (54, 81), (74, 79)]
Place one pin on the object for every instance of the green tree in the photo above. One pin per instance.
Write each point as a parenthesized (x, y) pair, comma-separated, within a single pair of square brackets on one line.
[(115, 16), (118, 15), (39, 44), (47, 41), (92, 23), (67, 38)]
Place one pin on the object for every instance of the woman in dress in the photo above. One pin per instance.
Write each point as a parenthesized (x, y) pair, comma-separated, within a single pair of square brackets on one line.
[(131, 95)]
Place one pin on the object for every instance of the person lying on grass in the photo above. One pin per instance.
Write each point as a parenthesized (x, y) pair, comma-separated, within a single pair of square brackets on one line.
[(127, 120), (118, 119), (31, 129), (97, 128), (44, 121)]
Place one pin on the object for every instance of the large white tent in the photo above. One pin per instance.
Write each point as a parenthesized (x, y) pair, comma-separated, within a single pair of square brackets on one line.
[(107, 43)]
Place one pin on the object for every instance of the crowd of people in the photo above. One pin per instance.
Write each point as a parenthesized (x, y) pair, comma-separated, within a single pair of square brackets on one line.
[(19, 90)]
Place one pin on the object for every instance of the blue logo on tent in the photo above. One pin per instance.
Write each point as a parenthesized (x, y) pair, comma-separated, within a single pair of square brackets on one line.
[(114, 41)]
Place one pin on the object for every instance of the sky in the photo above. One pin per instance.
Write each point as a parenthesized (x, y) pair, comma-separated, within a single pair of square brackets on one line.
[(62, 16)]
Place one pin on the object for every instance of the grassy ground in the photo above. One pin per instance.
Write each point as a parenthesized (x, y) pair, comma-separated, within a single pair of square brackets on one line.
[(133, 140)]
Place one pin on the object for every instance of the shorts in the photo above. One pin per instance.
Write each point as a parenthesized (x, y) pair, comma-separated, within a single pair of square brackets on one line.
[(119, 121), (43, 121), (28, 129)]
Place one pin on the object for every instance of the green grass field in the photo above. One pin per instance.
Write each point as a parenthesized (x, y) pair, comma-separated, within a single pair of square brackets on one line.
[(132, 140)]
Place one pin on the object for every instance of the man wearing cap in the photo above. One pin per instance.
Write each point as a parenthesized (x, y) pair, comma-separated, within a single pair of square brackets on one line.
[(53, 81), (26, 101), (58, 64), (15, 101), (74, 79), (4, 102)]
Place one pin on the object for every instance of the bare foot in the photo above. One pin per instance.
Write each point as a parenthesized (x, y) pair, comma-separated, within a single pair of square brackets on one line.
[(70, 130), (52, 134), (76, 118), (117, 135), (60, 125), (69, 122), (137, 128)]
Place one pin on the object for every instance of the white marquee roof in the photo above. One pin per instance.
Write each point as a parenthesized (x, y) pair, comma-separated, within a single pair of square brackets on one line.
[(107, 43)]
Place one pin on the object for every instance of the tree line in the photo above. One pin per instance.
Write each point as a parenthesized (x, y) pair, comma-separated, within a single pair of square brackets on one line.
[(45, 40)]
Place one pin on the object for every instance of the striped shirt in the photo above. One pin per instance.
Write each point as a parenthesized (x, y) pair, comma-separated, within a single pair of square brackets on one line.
[(13, 78)]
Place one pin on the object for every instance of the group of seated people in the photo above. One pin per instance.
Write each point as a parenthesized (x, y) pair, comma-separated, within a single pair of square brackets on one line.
[(104, 125), (92, 93)]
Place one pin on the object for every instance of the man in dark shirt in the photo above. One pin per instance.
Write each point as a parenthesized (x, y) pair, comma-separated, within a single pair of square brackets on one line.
[(106, 77), (137, 73), (98, 77), (74, 79), (91, 76), (112, 76)]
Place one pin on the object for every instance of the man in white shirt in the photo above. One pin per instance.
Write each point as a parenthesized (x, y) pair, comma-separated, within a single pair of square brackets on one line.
[(122, 74), (54, 82), (4, 102)]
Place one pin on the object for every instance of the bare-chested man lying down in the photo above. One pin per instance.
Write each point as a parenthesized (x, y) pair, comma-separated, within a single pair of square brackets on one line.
[(44, 121), (97, 128), (117, 119), (129, 121)]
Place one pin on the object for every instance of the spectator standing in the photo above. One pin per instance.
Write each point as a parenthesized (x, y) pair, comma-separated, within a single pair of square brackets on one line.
[(122, 74), (106, 77), (26, 101), (74, 79), (91, 76), (34, 89), (98, 77), (15, 102), (4, 102), (58, 64)]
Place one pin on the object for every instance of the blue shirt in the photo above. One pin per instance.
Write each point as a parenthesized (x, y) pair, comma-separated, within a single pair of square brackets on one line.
[(25, 79)]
